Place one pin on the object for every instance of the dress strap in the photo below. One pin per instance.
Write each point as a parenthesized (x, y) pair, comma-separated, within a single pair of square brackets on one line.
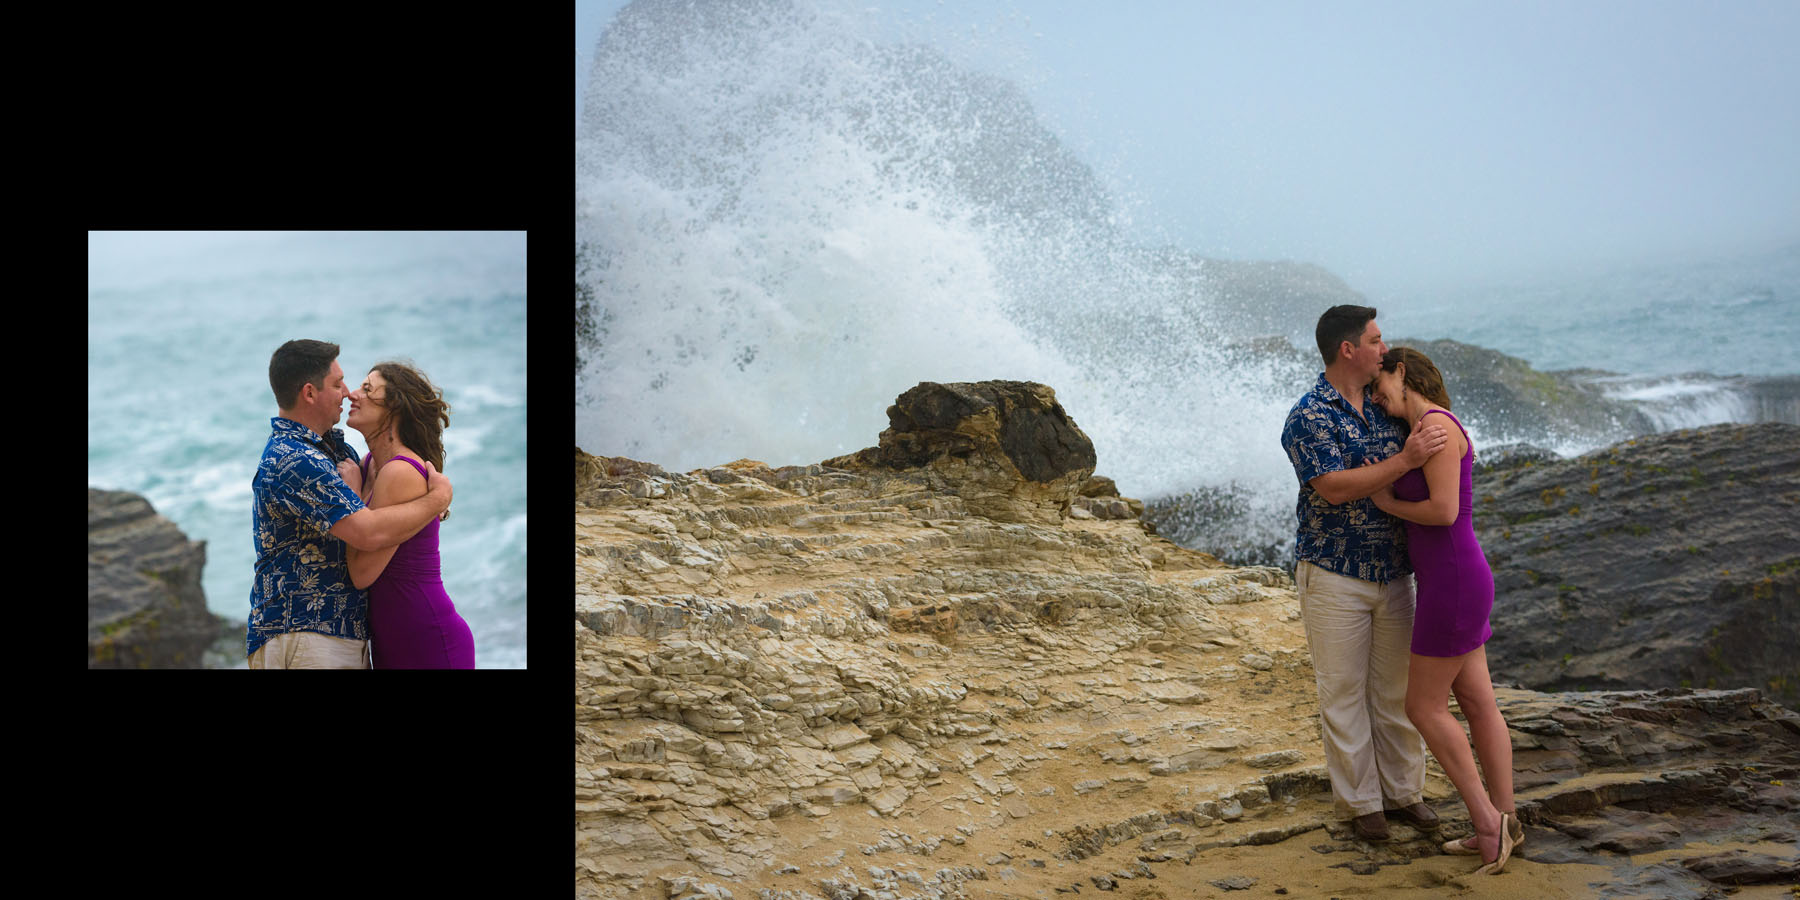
[(1459, 426), (415, 464)]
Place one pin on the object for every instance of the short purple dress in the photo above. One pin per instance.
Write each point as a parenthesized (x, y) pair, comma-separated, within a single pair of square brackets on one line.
[(412, 623), (1455, 585)]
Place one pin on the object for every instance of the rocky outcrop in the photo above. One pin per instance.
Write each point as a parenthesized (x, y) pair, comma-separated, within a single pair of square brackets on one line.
[(146, 609), (1633, 780), (1507, 400), (815, 681), (761, 652), (1664, 561), (1006, 448)]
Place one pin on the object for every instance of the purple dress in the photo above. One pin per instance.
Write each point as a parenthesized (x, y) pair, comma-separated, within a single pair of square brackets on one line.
[(1455, 585), (412, 623)]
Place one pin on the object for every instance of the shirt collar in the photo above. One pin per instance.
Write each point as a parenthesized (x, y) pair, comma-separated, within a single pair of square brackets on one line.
[(289, 426), (1329, 394), (285, 426)]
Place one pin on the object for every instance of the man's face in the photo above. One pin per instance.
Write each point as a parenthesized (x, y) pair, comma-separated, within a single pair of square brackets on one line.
[(329, 403), (1365, 356)]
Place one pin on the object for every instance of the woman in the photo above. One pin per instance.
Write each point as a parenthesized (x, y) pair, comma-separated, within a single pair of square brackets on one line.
[(412, 623), (1450, 625)]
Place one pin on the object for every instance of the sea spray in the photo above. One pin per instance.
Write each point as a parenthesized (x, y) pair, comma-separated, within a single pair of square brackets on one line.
[(784, 222)]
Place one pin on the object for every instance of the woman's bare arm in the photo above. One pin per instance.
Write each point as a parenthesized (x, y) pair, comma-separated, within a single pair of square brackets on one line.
[(398, 482), (1442, 474)]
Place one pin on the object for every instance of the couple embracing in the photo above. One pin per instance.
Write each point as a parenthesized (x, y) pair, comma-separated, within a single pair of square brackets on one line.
[(347, 548), (1385, 500)]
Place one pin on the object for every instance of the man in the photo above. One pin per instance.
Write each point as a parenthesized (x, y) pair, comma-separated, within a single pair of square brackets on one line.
[(1355, 581), (304, 611)]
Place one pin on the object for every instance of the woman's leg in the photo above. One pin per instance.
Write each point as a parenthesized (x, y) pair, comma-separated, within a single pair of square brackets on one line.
[(1428, 705), (1493, 743)]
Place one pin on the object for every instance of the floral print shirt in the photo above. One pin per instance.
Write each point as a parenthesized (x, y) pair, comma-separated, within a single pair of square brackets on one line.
[(302, 572), (1324, 434)]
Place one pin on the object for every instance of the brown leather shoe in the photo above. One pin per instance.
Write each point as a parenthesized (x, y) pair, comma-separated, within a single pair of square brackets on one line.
[(1418, 816), (1372, 827)]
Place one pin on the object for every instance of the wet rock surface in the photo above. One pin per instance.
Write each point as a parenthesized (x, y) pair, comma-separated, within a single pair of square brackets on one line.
[(146, 609), (1666, 561)]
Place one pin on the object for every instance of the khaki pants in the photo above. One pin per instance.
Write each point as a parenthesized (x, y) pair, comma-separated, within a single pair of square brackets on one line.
[(1360, 634), (310, 650)]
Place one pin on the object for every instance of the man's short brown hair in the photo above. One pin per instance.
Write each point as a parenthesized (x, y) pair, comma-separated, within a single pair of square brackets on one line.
[(1340, 324), (296, 363)]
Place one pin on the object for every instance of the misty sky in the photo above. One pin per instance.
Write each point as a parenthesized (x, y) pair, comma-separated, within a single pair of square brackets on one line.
[(1407, 146)]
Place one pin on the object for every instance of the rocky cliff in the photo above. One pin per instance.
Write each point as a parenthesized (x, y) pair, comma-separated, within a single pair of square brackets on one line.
[(146, 609), (1671, 560), (845, 680)]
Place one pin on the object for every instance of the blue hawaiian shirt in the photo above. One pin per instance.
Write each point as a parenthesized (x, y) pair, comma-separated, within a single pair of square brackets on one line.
[(302, 572), (1324, 434)]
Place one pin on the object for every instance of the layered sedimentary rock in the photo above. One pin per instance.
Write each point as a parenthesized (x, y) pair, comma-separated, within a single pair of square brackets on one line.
[(146, 608), (816, 682), (1006, 448), (1667, 561)]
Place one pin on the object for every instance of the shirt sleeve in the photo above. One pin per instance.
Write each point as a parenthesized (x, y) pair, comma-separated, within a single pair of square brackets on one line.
[(313, 492), (1312, 446)]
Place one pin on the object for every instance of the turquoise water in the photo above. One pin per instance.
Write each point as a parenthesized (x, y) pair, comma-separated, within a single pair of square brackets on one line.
[(180, 330), (1730, 316)]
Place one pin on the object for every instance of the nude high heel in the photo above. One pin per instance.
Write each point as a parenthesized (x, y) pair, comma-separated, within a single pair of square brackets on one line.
[(1506, 847), (1461, 847)]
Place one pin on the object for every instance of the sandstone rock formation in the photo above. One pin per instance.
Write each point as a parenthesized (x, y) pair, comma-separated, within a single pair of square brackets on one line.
[(821, 682), (1667, 561), (1006, 448), (145, 605)]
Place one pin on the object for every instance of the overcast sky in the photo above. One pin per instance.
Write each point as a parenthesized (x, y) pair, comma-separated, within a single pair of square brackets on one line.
[(1408, 146)]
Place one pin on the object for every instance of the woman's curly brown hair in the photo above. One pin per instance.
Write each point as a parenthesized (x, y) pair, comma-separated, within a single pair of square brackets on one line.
[(415, 409)]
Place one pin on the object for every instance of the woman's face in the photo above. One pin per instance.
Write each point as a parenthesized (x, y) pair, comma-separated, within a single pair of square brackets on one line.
[(1388, 389), (365, 403)]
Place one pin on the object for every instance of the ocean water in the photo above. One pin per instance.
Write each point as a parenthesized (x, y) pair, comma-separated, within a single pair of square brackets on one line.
[(785, 218), (1738, 315), (180, 330)]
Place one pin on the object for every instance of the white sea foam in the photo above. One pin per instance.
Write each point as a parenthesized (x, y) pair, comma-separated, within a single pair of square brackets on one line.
[(1684, 401), (788, 223)]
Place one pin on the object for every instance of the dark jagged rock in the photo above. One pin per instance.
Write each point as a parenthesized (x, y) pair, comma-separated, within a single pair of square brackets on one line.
[(1508, 400), (1507, 456), (1664, 561), (1006, 447), (1604, 775), (146, 609)]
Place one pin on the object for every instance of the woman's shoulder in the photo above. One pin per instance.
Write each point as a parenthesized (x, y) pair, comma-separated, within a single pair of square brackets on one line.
[(1459, 436), (401, 476)]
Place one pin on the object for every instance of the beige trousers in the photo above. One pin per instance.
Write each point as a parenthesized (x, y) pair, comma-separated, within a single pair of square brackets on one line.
[(1360, 634), (310, 650)]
